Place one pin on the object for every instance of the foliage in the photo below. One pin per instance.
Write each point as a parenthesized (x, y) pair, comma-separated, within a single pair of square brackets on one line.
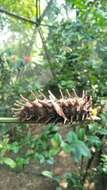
[(28, 11), (13, 82), (104, 163), (83, 145), (78, 54)]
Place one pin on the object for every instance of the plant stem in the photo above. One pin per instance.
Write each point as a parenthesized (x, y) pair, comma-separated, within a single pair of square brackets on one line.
[(81, 165), (9, 120), (13, 120), (87, 168)]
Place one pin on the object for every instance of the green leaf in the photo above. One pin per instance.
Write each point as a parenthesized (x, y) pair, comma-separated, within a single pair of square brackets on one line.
[(39, 157), (72, 137), (84, 149), (79, 150), (47, 174), (66, 147), (77, 147), (54, 151), (102, 131), (14, 147), (93, 127), (81, 134), (20, 162), (9, 162), (94, 140), (56, 140), (104, 117)]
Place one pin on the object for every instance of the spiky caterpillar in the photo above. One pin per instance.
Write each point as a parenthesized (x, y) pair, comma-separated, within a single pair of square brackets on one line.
[(53, 110)]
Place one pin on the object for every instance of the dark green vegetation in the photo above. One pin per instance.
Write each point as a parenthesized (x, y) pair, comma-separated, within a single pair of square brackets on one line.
[(57, 52)]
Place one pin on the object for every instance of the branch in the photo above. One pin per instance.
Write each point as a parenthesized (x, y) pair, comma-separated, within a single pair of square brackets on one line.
[(23, 18)]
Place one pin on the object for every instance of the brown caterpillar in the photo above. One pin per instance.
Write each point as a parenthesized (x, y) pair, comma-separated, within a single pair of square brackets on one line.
[(53, 110)]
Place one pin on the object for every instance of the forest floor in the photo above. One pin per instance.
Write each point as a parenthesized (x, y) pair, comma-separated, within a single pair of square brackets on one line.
[(30, 178), (10, 180)]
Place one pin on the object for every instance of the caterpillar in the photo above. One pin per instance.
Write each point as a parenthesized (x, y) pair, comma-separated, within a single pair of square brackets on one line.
[(52, 110)]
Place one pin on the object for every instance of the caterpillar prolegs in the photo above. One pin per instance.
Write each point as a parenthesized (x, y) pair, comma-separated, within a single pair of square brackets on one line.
[(52, 110)]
